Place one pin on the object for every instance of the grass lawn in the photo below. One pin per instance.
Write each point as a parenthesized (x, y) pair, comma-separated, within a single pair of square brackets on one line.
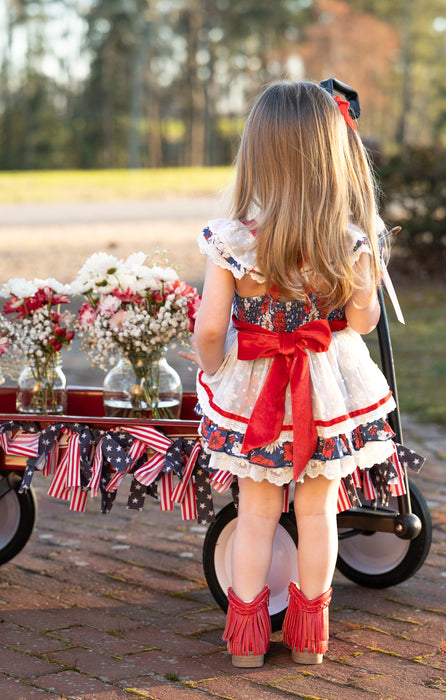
[(419, 352), (102, 185)]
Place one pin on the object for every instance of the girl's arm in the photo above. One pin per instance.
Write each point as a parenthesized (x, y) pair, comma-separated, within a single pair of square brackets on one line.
[(363, 310), (213, 318)]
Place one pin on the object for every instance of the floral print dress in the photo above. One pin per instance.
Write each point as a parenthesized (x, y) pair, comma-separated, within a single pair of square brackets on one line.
[(350, 396)]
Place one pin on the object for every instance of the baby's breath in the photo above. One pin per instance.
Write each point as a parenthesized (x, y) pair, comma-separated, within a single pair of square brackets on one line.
[(133, 308)]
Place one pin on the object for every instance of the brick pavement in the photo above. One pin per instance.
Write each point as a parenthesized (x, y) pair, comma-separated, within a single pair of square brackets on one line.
[(114, 607)]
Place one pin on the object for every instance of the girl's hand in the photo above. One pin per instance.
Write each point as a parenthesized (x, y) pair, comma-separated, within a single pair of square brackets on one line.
[(363, 310), (192, 356)]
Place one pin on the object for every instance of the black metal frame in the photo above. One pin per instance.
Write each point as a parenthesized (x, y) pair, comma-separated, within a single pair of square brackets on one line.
[(403, 523)]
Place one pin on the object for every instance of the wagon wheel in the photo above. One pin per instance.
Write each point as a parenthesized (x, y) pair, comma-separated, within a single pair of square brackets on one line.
[(17, 517), (217, 561), (373, 560), (381, 559)]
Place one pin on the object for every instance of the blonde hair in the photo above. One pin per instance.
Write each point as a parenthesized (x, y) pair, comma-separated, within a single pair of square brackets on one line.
[(304, 178)]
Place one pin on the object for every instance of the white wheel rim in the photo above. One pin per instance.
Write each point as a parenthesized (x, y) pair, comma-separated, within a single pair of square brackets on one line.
[(9, 517), (373, 554), (283, 566)]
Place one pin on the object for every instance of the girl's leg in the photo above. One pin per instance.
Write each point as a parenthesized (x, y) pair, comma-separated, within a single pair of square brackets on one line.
[(248, 624), (315, 506), (259, 511), (305, 628)]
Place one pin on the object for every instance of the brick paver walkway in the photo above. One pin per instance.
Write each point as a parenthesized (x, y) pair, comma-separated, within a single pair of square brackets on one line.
[(114, 607)]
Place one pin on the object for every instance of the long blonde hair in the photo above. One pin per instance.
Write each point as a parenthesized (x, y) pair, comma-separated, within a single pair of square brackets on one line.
[(302, 180)]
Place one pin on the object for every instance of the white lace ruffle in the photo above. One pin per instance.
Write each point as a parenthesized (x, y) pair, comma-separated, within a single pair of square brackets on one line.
[(231, 239), (369, 455), (242, 468)]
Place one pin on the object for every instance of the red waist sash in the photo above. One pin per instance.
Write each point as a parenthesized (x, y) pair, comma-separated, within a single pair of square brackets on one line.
[(289, 366)]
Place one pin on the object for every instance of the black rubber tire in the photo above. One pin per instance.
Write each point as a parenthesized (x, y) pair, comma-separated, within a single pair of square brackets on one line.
[(380, 560), (17, 518), (216, 561)]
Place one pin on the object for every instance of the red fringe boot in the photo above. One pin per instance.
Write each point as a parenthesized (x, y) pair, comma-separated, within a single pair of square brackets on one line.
[(248, 629), (305, 627)]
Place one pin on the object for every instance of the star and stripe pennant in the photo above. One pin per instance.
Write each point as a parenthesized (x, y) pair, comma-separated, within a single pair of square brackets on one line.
[(84, 460)]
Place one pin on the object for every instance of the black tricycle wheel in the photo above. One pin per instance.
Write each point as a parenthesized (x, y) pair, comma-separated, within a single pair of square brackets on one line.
[(17, 516)]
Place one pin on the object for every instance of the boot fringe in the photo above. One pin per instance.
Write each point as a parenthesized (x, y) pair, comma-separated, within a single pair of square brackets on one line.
[(248, 625), (305, 628)]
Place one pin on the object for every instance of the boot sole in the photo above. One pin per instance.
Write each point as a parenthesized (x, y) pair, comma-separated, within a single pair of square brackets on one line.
[(306, 657), (247, 661)]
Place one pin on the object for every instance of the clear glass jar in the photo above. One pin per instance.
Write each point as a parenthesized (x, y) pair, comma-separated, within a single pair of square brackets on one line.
[(42, 389), (143, 388)]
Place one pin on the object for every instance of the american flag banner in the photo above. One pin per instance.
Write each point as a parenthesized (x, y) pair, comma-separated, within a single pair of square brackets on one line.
[(53, 458), (72, 459), (48, 439), (175, 454), (12, 426), (97, 460), (189, 503), (4, 442), (150, 471), (137, 449), (367, 486), (221, 480), (23, 444), (165, 488), (58, 488), (398, 487), (357, 478), (343, 498), (107, 497), (351, 482), (118, 458), (66, 483), (203, 496), (78, 501), (150, 436), (180, 490), (115, 454), (137, 496), (184, 492), (116, 479), (381, 476), (95, 478)]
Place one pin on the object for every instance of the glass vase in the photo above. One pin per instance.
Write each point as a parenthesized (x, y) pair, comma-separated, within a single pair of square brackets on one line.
[(42, 389), (143, 388)]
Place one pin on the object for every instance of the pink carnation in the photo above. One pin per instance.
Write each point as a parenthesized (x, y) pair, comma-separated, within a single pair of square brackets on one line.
[(109, 305), (118, 319), (86, 315)]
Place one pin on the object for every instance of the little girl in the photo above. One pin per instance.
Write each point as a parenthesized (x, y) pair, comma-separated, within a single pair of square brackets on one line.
[(286, 387)]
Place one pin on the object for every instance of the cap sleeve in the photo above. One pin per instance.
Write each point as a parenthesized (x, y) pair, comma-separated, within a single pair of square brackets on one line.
[(231, 245), (360, 242)]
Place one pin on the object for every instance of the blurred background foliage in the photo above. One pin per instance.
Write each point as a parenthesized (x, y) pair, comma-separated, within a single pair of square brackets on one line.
[(107, 84)]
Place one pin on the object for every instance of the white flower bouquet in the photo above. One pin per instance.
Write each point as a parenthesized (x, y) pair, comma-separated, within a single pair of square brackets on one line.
[(134, 309), (38, 331), (6, 331)]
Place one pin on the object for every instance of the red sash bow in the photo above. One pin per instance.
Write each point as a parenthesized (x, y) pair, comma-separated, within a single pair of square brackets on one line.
[(289, 366)]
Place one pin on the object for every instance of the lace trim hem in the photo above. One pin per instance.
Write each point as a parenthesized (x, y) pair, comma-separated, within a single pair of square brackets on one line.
[(365, 458)]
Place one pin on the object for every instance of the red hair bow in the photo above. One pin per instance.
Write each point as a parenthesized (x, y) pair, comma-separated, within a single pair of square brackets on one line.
[(344, 107)]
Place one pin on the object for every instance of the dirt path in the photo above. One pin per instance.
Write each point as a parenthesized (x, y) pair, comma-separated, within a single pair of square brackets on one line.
[(54, 240), (59, 250)]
